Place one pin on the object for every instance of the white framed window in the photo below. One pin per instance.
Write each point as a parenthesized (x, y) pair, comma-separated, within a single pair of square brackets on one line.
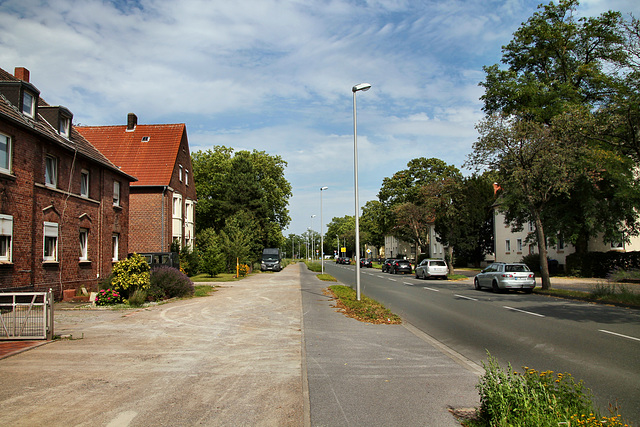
[(180, 172), (6, 237), (50, 247), (188, 211), (177, 206), (519, 245), (617, 245), (507, 245), (84, 244), (28, 104), (115, 244), (5, 153), (560, 242), (186, 177), (51, 171), (84, 183), (116, 193), (65, 126), (531, 227)]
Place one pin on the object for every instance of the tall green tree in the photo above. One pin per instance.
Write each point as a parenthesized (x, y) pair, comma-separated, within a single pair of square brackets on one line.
[(464, 220), (411, 210), (242, 183), (560, 76)]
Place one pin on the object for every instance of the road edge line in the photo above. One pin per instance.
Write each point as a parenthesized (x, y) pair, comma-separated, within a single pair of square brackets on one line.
[(468, 364)]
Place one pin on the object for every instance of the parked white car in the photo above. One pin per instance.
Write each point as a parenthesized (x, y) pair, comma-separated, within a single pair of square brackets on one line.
[(432, 268), (501, 276)]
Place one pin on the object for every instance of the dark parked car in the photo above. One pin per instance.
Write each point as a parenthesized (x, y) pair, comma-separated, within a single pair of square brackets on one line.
[(386, 265), (343, 260), (401, 266), (366, 262), (501, 276)]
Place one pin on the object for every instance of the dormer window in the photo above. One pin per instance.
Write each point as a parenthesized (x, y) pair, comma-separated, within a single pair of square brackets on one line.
[(146, 138), (28, 104), (65, 126)]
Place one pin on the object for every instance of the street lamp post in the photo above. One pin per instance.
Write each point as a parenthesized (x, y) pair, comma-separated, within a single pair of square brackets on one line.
[(321, 235), (359, 87)]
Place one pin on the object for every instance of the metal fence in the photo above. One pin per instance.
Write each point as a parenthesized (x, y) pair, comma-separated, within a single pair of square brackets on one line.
[(26, 315)]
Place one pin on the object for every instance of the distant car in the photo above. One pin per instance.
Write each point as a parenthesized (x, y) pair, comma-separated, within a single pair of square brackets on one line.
[(432, 268), (501, 276), (386, 265), (401, 266), (366, 262), (343, 260)]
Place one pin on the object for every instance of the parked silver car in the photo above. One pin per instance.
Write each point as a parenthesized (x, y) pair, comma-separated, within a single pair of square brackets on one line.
[(432, 268), (501, 276)]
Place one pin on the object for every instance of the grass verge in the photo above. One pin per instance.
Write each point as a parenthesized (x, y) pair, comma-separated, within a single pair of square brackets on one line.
[(365, 310), (326, 277), (222, 277), (604, 294)]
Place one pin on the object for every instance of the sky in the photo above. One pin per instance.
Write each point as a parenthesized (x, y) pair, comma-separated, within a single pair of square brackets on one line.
[(276, 76)]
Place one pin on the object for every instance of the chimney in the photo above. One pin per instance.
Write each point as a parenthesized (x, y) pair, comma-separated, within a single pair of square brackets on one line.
[(132, 121), (21, 73), (496, 188)]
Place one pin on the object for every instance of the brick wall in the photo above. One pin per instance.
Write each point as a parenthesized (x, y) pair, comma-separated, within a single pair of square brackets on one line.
[(24, 196)]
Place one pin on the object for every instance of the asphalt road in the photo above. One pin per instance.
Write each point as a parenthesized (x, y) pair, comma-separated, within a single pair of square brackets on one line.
[(596, 343)]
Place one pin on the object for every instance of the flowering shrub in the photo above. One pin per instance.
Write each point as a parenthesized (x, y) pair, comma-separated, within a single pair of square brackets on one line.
[(532, 398), (168, 282), (131, 274), (108, 297), (243, 270)]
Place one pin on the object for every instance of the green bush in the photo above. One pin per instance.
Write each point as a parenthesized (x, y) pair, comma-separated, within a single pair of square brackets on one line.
[(130, 274), (167, 282)]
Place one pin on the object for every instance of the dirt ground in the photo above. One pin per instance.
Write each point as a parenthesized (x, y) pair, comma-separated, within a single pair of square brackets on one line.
[(233, 358)]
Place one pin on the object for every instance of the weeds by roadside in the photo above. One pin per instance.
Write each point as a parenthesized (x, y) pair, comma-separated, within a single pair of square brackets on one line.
[(603, 293), (532, 398), (365, 310)]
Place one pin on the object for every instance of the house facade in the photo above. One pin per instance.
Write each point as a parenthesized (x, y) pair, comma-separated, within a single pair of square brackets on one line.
[(512, 246), (64, 211), (162, 201)]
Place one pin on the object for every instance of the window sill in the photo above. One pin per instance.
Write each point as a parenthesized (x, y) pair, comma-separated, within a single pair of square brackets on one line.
[(84, 262), (50, 263), (117, 207), (7, 175), (6, 264)]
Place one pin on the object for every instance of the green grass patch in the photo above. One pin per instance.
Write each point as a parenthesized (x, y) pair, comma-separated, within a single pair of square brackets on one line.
[(365, 310), (456, 277), (222, 277), (603, 293), (203, 290), (532, 398), (326, 277), (316, 267)]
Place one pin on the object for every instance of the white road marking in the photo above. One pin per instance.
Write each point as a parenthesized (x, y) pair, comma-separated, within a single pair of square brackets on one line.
[(462, 296), (393, 280), (408, 284), (431, 289), (522, 311), (619, 335)]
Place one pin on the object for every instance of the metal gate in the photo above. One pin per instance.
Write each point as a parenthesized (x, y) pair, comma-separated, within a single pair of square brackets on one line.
[(26, 315)]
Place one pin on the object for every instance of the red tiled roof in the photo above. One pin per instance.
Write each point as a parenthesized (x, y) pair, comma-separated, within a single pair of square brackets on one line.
[(151, 161)]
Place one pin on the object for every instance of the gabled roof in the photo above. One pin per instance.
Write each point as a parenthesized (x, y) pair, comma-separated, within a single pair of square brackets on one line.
[(75, 141), (148, 152)]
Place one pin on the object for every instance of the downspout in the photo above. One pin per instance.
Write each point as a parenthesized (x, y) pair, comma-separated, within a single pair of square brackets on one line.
[(162, 247)]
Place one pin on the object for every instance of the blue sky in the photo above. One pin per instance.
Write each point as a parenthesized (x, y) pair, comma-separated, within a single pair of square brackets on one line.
[(276, 76)]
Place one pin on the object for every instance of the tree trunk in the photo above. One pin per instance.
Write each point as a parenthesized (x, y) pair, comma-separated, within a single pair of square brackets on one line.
[(542, 250), (450, 255)]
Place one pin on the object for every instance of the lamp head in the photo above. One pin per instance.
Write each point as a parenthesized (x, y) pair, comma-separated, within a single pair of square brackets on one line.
[(362, 86), (324, 188)]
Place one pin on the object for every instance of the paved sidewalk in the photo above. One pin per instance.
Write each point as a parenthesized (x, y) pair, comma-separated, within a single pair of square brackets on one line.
[(361, 374)]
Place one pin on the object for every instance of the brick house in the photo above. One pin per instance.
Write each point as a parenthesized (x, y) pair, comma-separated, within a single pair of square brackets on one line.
[(162, 200), (64, 212)]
